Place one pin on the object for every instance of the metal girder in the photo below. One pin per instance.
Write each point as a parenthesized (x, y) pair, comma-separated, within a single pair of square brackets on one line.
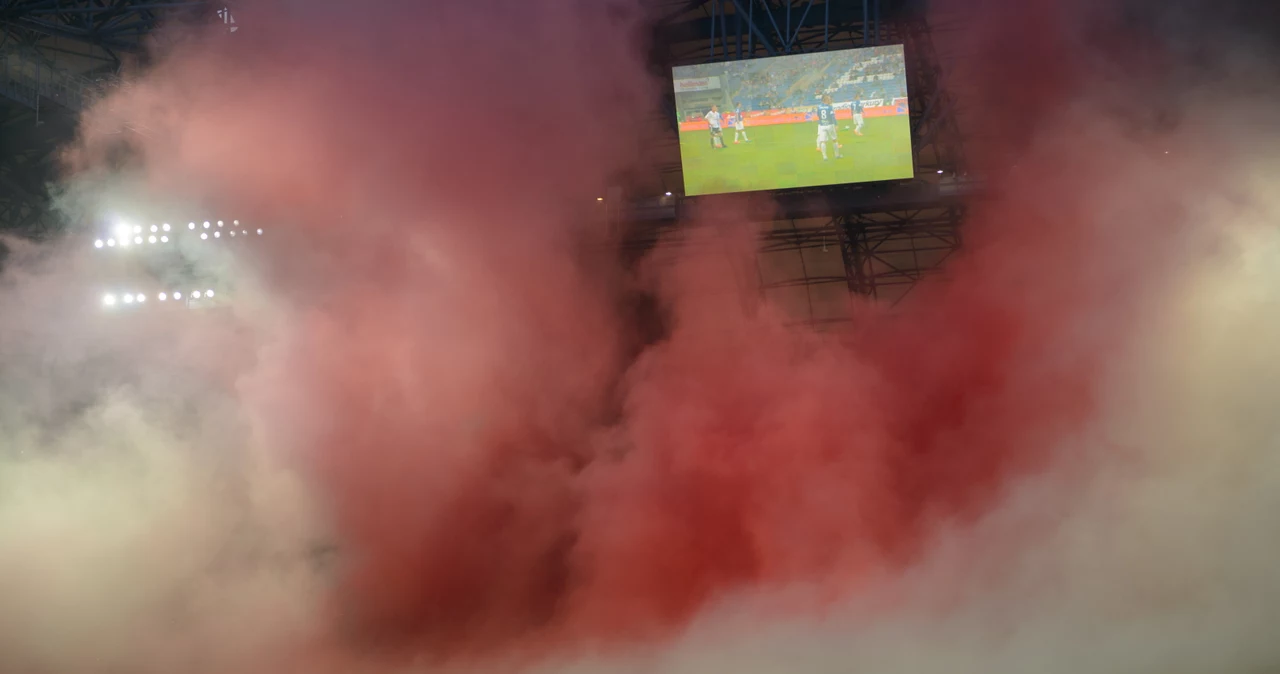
[(736, 29), (936, 141), (105, 27), (892, 250)]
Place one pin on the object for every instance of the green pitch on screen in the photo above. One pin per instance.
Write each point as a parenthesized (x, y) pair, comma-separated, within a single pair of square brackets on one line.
[(781, 156)]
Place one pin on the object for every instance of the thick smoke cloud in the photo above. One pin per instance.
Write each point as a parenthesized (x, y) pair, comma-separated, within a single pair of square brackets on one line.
[(429, 434)]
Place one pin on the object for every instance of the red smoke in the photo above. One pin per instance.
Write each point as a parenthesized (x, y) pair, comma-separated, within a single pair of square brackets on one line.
[(500, 470)]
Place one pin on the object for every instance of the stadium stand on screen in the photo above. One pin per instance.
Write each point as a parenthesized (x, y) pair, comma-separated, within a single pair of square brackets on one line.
[(794, 121)]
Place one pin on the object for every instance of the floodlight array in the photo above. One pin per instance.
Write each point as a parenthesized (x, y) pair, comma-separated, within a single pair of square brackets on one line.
[(112, 300), (128, 236)]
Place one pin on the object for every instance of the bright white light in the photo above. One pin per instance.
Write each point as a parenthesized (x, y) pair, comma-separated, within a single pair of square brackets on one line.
[(244, 233), (177, 296), (137, 239), (219, 223), (165, 226), (98, 243), (195, 295), (124, 242), (259, 232), (668, 194), (191, 225), (128, 299), (111, 243), (109, 299), (939, 171), (233, 232), (208, 293), (141, 298), (235, 223), (599, 198), (206, 224), (217, 235), (164, 239), (151, 239), (137, 229), (204, 235), (154, 228), (162, 297)]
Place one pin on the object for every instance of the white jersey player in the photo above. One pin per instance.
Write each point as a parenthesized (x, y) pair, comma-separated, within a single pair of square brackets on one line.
[(739, 126), (714, 123)]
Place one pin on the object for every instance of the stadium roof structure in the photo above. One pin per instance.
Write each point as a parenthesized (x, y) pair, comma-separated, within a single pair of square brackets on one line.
[(55, 57)]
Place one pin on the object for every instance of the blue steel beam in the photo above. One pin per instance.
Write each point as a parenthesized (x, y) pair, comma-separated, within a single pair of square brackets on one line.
[(780, 27), (755, 30), (791, 40)]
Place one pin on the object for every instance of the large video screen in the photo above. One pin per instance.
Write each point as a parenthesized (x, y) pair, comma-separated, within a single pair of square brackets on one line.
[(794, 121)]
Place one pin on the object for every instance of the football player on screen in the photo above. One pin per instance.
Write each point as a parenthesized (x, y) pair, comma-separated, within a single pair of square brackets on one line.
[(739, 126), (856, 107), (819, 143), (714, 122), (827, 128)]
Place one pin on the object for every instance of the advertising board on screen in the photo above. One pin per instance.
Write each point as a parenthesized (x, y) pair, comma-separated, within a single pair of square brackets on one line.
[(794, 121)]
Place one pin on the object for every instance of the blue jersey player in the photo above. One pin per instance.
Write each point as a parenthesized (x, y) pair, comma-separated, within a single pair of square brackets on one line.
[(856, 107), (827, 127)]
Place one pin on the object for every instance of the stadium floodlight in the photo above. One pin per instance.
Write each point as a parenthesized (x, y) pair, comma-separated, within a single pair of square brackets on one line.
[(109, 300), (939, 171), (98, 244), (123, 231), (191, 225), (208, 293), (204, 236), (151, 239), (164, 239), (124, 243), (206, 224), (137, 229), (236, 223), (154, 228), (219, 223), (141, 298), (217, 235), (599, 198), (128, 299), (165, 226), (177, 295), (233, 232), (111, 243), (259, 231), (668, 194), (162, 297), (137, 239), (195, 295)]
